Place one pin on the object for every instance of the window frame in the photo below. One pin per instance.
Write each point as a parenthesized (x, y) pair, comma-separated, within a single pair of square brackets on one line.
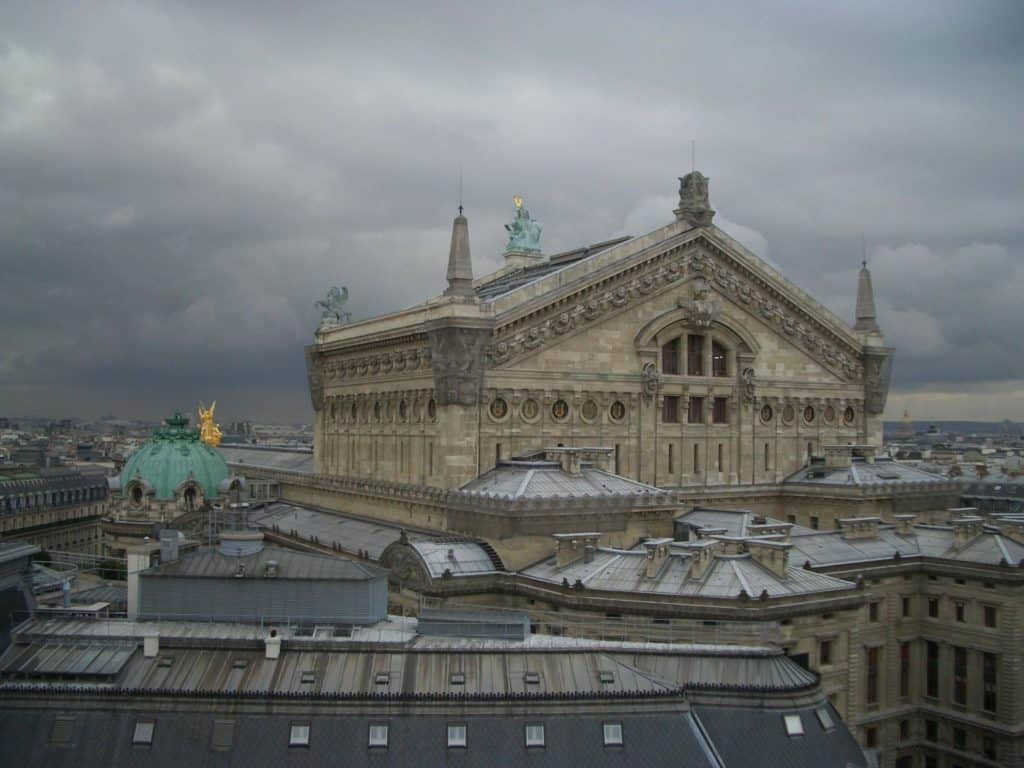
[(453, 739), (794, 725), (612, 734), (299, 733), (535, 743), (371, 743), (143, 732)]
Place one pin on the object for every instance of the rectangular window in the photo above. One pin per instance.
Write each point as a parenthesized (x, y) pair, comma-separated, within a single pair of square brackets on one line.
[(695, 414), (670, 410), (719, 360), (143, 733), (906, 761), (63, 730), (932, 670), (534, 735), (961, 612), (670, 358), (825, 718), (613, 734), (873, 611), (456, 735), (497, 453), (721, 461), (931, 730), (671, 459), (767, 458), (990, 616), (299, 735), (720, 410), (905, 669), (906, 604), (989, 669), (988, 748), (904, 730), (960, 675), (825, 652), (815, 523), (933, 607), (959, 739), (695, 355), (378, 735), (871, 694), (618, 465), (871, 737), (696, 459)]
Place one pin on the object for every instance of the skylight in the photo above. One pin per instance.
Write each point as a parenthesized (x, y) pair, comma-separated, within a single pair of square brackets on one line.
[(379, 735), (299, 736), (794, 725), (143, 732), (612, 734), (825, 718), (457, 735), (535, 735)]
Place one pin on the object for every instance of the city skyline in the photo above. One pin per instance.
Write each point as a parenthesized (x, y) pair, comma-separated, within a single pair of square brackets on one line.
[(180, 185)]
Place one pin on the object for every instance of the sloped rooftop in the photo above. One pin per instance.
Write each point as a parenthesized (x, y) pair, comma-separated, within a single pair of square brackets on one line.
[(881, 472), (211, 563), (533, 479), (289, 459)]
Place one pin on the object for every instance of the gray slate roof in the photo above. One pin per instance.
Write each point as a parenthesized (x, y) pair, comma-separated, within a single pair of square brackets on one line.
[(350, 534)]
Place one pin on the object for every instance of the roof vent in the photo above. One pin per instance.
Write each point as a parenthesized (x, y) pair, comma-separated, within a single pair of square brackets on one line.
[(270, 569)]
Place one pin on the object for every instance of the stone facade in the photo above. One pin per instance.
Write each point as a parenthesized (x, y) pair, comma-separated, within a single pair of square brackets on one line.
[(681, 350)]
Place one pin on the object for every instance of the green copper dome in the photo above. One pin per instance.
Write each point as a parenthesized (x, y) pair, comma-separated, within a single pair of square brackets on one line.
[(174, 455)]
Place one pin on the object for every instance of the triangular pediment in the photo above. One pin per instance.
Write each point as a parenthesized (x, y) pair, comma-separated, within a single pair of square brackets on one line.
[(588, 292)]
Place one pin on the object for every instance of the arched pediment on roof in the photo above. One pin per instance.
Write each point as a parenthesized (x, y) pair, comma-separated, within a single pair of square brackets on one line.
[(405, 564), (677, 321)]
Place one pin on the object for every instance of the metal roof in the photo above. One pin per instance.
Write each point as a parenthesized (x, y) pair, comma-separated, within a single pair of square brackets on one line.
[(547, 479), (290, 459), (862, 473), (459, 558), (211, 563), (350, 534)]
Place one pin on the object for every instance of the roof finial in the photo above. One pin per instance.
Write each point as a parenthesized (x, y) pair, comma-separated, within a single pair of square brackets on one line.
[(693, 155), (866, 319), (460, 265), (460, 188)]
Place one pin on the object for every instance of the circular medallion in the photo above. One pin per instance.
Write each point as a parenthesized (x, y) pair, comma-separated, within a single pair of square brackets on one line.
[(530, 409), (589, 410), (788, 414), (849, 415), (499, 408), (617, 411), (809, 414), (766, 413), (560, 410), (830, 414)]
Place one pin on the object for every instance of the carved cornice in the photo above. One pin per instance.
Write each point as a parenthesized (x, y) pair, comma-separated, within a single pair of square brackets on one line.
[(378, 365), (597, 301)]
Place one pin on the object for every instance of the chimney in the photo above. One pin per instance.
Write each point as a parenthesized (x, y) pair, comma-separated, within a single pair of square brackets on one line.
[(858, 528), (965, 530), (137, 560), (702, 557), (588, 553), (270, 569), (657, 553), (570, 547), (1012, 529), (773, 555), (905, 524), (272, 645), (460, 265), (151, 646)]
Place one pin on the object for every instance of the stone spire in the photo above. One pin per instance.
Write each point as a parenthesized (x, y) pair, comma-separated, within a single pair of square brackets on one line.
[(460, 266), (866, 320)]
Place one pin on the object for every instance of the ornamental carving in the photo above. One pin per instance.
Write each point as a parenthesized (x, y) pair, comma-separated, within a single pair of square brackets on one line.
[(650, 380), (595, 302), (877, 372), (700, 309), (749, 386), (315, 377), (458, 354), (400, 361)]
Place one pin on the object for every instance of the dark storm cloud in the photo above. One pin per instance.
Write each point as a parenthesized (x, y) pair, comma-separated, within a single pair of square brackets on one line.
[(179, 183)]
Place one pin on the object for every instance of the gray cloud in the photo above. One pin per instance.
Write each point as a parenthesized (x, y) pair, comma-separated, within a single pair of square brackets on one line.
[(179, 183)]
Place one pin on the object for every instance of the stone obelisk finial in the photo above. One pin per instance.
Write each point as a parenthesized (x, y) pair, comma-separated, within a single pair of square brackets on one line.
[(866, 319), (460, 265)]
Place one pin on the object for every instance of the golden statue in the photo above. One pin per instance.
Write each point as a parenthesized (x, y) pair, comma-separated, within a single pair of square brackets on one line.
[(517, 201), (209, 432)]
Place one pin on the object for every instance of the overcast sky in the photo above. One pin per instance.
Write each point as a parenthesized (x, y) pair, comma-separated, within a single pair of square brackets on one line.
[(179, 182)]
